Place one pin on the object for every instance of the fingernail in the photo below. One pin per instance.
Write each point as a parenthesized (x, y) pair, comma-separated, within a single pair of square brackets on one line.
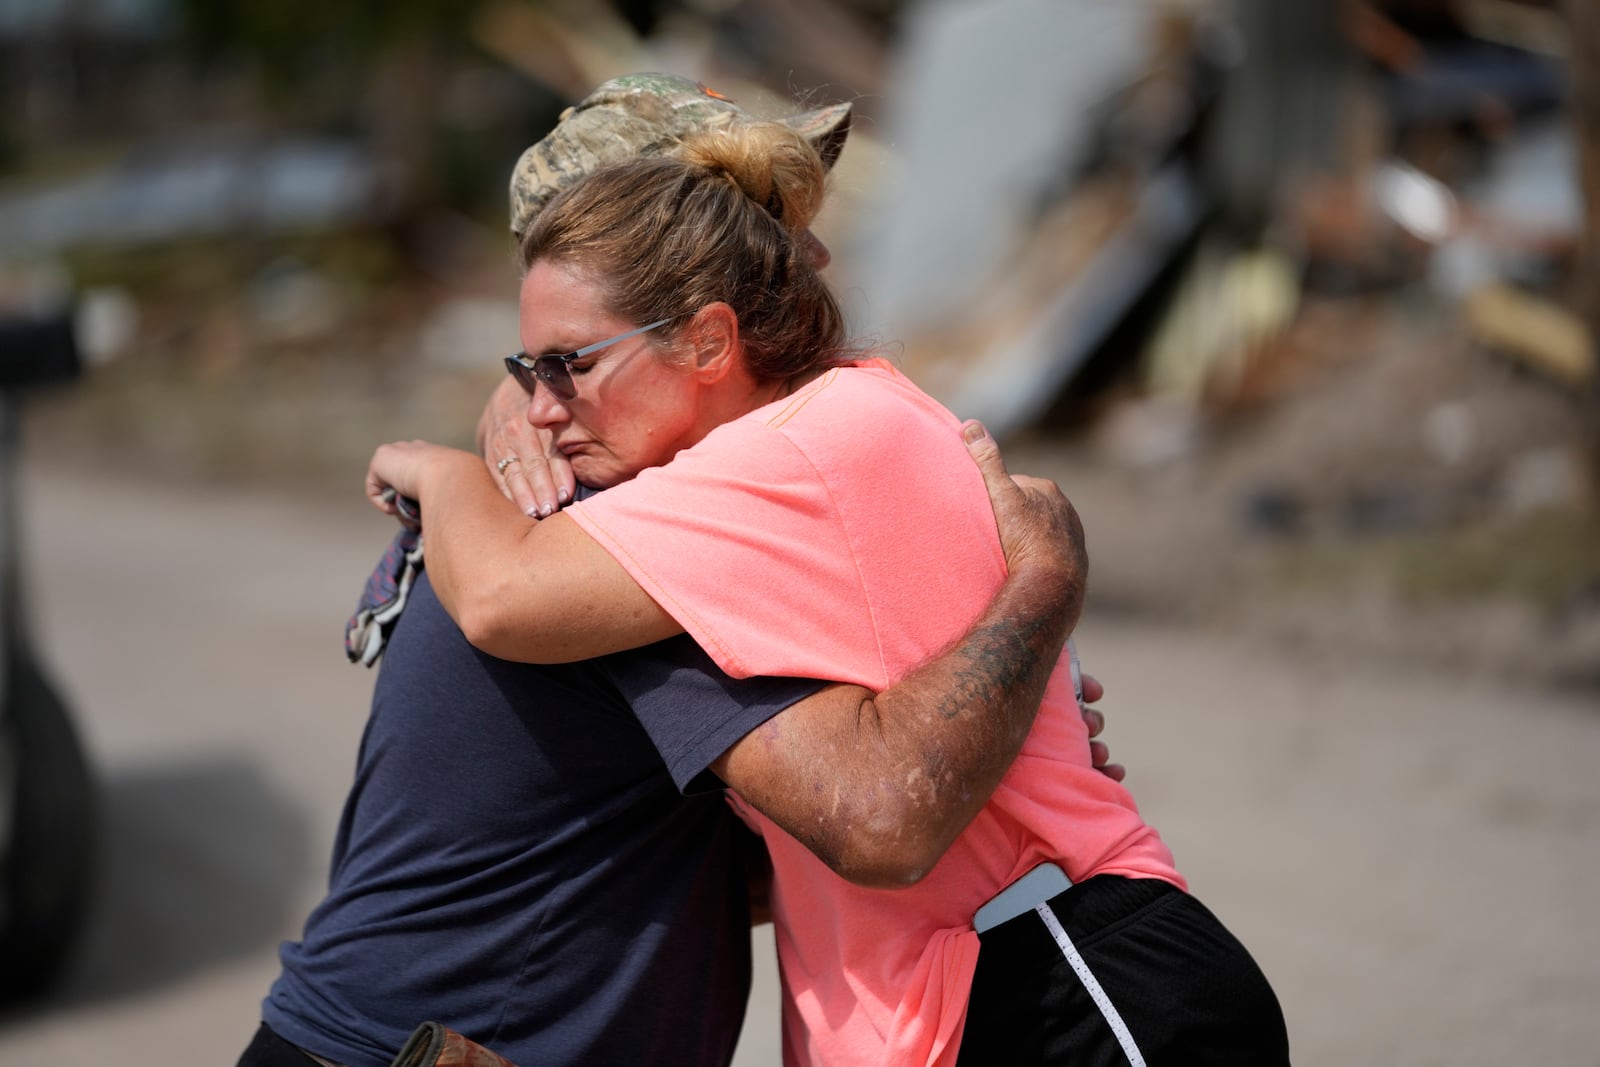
[(532, 513), (561, 495), (973, 432), (546, 510)]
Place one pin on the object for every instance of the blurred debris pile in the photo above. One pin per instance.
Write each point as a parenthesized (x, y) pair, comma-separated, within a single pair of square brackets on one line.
[(1247, 158), (1329, 266)]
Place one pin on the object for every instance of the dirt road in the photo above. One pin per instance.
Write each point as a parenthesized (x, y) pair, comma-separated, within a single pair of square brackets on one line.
[(1412, 858)]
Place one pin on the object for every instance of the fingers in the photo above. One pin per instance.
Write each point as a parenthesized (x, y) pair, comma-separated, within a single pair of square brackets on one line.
[(500, 445), (535, 490), (986, 453), (512, 478), (1035, 520), (1100, 760), (380, 496), (382, 474), (377, 486), (534, 480), (1011, 507), (519, 457), (1093, 691), (1094, 721)]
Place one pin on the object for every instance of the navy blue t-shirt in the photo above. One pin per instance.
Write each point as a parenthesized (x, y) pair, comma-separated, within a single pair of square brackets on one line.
[(517, 862)]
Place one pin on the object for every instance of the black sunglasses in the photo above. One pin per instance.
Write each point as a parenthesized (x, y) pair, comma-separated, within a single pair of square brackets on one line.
[(556, 371)]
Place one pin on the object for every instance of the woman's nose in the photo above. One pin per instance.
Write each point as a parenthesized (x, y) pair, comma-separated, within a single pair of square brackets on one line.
[(545, 409)]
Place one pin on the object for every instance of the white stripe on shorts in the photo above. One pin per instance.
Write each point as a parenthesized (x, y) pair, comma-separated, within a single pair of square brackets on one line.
[(1092, 984)]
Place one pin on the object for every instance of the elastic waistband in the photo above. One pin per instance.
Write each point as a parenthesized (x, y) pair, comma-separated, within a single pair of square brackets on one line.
[(1084, 908)]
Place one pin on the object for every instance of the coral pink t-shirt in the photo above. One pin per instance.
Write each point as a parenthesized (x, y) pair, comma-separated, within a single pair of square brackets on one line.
[(845, 533)]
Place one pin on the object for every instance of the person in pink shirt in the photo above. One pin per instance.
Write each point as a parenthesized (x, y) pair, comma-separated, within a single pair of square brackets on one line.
[(800, 508)]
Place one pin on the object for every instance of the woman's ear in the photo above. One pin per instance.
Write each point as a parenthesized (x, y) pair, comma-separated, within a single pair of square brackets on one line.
[(714, 336)]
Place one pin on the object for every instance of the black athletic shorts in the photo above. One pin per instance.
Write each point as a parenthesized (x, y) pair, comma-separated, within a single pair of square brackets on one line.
[(1122, 971)]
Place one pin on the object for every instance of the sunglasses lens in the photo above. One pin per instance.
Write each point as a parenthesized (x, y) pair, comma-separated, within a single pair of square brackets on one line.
[(551, 370), (522, 373), (556, 375)]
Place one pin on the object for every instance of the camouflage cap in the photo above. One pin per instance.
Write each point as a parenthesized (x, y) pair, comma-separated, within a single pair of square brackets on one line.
[(643, 114)]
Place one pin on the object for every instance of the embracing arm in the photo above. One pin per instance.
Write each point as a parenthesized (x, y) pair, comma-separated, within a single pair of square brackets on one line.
[(531, 591), (878, 786)]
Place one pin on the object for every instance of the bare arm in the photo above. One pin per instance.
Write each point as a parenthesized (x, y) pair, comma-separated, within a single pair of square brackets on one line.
[(582, 605), (879, 786), (537, 591), (759, 865)]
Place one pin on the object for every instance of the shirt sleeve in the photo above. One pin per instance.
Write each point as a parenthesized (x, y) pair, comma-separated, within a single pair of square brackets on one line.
[(692, 710)]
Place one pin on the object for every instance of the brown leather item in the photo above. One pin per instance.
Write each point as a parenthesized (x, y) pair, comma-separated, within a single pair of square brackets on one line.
[(432, 1045)]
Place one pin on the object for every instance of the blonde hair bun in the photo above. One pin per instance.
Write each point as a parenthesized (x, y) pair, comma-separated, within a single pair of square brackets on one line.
[(770, 163)]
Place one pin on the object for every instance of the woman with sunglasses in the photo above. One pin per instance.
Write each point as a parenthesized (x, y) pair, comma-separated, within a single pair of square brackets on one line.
[(800, 508)]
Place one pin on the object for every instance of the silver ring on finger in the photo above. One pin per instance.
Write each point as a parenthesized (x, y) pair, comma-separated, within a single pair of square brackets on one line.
[(504, 463)]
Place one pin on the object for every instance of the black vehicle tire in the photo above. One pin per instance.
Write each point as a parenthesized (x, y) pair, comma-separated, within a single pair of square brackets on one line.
[(49, 865)]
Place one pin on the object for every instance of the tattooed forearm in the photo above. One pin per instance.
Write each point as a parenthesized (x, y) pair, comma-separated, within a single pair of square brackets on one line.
[(878, 786), (950, 730), (999, 658)]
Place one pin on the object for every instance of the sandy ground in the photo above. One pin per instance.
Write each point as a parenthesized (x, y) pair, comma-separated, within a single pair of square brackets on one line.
[(1412, 856)]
